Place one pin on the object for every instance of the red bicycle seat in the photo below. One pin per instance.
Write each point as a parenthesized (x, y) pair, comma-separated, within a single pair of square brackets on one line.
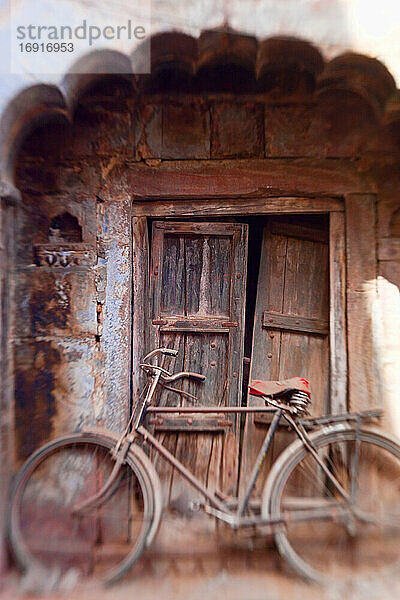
[(279, 388)]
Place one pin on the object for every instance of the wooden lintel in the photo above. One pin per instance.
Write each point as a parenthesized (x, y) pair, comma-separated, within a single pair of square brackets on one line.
[(225, 207), (244, 179), (274, 320)]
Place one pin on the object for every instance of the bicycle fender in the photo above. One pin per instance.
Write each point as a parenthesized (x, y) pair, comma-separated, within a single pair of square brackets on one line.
[(297, 444)]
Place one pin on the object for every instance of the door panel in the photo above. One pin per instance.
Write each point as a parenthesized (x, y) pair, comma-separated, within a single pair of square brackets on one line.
[(291, 324), (173, 276), (198, 275)]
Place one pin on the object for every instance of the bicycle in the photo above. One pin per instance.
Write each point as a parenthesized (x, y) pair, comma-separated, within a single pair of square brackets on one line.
[(331, 498)]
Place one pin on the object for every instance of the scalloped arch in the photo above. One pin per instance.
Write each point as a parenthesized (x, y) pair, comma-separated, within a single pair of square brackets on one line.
[(365, 76)]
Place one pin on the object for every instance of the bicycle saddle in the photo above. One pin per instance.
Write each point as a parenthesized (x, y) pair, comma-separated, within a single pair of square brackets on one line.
[(279, 388)]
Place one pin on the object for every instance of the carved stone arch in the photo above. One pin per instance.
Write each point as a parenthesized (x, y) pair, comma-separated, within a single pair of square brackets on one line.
[(181, 60)]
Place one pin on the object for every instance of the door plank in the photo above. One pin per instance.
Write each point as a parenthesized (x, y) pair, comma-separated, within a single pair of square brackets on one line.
[(203, 268), (266, 347), (273, 320), (172, 297), (306, 293)]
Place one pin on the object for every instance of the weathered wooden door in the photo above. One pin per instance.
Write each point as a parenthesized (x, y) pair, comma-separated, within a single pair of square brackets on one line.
[(197, 288), (291, 323)]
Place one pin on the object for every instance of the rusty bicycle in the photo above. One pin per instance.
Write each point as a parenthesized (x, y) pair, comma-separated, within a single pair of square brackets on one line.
[(91, 501)]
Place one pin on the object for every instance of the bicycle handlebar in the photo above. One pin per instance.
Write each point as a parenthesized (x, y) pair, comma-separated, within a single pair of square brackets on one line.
[(166, 351), (182, 374), (165, 375)]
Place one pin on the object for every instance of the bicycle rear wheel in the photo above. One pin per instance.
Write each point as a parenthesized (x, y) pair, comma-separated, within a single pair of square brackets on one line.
[(104, 541), (337, 543)]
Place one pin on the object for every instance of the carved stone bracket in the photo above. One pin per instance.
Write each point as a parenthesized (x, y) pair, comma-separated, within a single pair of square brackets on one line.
[(63, 256)]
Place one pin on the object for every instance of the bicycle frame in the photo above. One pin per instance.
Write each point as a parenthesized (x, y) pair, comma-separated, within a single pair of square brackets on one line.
[(220, 506), (330, 494), (227, 509)]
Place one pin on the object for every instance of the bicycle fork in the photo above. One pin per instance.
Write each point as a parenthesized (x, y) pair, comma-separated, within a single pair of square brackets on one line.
[(109, 487)]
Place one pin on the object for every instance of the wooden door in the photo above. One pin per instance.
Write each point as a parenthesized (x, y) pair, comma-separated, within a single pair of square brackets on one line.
[(291, 324), (197, 281)]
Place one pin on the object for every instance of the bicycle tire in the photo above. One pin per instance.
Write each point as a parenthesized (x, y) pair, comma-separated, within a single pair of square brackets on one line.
[(344, 550), (43, 497)]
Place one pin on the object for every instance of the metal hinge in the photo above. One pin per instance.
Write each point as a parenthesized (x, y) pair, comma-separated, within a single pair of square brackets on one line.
[(159, 322)]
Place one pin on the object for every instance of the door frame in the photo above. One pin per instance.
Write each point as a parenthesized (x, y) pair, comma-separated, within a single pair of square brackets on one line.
[(220, 208)]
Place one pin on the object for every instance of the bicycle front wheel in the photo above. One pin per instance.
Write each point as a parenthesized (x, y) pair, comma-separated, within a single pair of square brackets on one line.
[(325, 538), (102, 542)]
